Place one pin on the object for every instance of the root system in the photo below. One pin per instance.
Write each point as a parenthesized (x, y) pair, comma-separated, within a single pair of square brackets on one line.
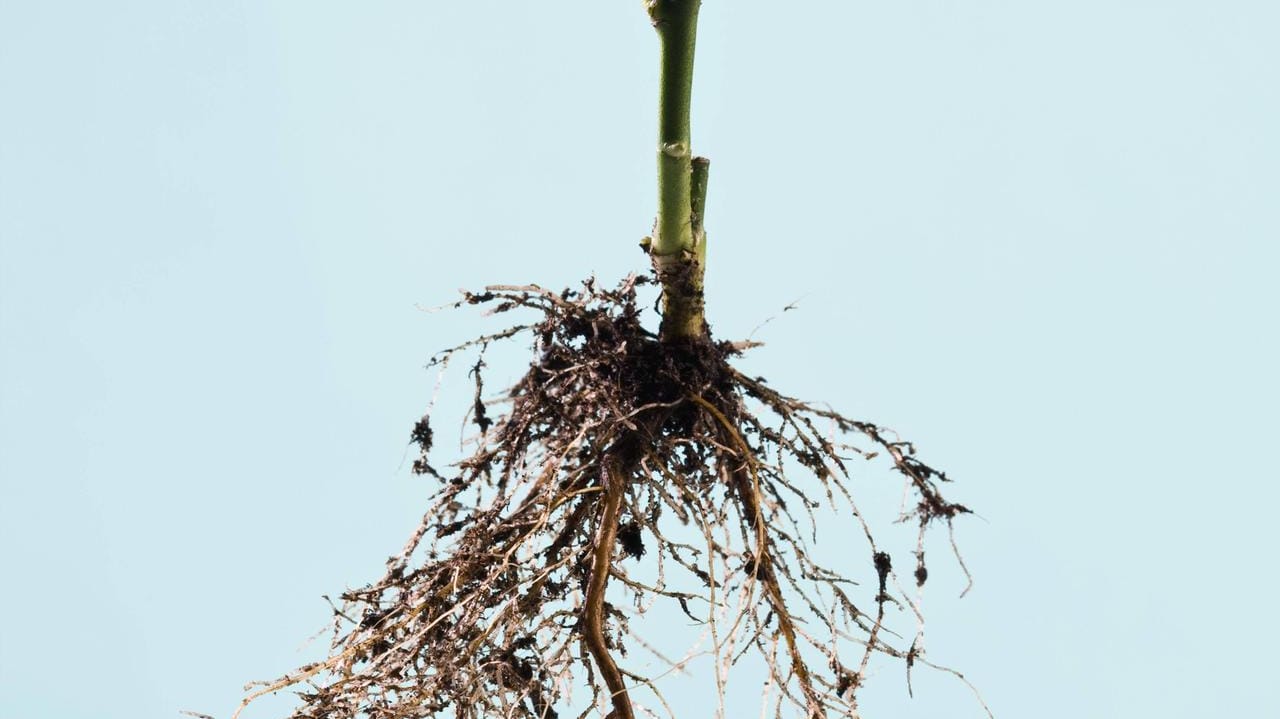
[(620, 472)]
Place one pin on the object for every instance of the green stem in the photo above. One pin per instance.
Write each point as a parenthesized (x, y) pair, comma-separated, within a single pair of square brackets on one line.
[(676, 249), (698, 206)]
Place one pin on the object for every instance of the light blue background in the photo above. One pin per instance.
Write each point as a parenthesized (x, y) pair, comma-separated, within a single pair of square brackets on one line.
[(1038, 238)]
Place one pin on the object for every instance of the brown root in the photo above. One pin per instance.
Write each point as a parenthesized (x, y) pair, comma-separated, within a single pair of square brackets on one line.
[(499, 604), (593, 608)]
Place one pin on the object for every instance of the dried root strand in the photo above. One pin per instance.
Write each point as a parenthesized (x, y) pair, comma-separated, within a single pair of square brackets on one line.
[(593, 612)]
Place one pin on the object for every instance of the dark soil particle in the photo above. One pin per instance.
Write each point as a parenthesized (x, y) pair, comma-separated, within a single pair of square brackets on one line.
[(630, 539)]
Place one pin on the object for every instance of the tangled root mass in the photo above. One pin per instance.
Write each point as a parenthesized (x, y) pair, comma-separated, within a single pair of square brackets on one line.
[(616, 451)]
